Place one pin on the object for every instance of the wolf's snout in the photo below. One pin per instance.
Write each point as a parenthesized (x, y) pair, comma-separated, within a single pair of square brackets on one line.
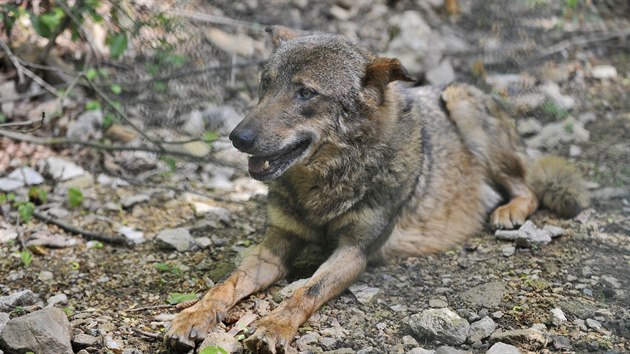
[(243, 139)]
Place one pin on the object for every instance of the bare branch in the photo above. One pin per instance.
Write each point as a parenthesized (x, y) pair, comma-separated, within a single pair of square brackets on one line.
[(155, 336), (31, 122), (63, 141), (216, 19), (146, 308), (14, 59), (90, 235)]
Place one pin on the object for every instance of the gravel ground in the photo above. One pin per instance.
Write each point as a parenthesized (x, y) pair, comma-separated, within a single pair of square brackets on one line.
[(568, 295)]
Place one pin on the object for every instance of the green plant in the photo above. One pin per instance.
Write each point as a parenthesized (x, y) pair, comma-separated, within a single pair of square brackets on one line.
[(95, 245), (26, 257), (210, 136), (75, 197), (176, 298), (37, 195), (554, 110), (25, 210), (213, 349), (68, 310), (163, 267)]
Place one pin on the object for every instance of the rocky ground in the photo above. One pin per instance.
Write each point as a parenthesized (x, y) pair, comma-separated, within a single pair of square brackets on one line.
[(552, 286)]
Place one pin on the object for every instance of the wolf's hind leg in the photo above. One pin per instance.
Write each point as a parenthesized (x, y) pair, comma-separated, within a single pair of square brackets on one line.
[(489, 133), (522, 204)]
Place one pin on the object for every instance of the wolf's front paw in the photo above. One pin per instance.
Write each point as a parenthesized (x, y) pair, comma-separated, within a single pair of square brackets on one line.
[(190, 326), (271, 337)]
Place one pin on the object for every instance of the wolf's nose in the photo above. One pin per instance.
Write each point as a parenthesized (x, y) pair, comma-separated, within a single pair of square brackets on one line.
[(243, 140)]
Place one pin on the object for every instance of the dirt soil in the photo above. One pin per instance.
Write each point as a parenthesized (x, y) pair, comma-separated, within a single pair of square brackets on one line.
[(108, 287)]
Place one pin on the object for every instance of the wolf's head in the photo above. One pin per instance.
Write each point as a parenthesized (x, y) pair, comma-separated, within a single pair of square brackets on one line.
[(314, 91)]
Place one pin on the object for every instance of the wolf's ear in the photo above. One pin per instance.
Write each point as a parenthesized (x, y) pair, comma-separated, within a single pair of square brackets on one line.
[(381, 71), (280, 34)]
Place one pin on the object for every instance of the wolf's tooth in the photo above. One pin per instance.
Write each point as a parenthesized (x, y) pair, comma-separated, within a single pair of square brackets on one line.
[(266, 165)]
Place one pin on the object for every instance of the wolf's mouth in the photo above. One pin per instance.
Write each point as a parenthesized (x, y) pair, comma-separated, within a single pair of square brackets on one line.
[(264, 168)]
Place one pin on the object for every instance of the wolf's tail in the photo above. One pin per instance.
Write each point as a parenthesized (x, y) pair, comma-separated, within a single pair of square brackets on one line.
[(558, 185)]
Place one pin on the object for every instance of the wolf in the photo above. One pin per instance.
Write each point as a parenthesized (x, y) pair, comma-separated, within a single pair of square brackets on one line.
[(369, 168)]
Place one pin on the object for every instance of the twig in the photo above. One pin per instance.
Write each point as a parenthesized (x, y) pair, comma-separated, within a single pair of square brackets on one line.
[(123, 116), (186, 73), (21, 124), (146, 308), (215, 19), (157, 336), (63, 141), (577, 42), (45, 67), (14, 59), (27, 95), (41, 82), (90, 235)]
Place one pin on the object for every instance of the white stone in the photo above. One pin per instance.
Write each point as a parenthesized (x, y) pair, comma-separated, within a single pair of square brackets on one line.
[(557, 316), (602, 72), (27, 175), (63, 170)]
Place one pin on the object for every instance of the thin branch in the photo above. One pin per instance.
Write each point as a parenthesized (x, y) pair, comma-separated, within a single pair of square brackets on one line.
[(216, 19), (14, 59), (180, 74), (577, 42), (45, 67), (41, 82), (156, 336), (21, 124), (90, 235), (123, 116), (147, 308), (27, 95), (63, 141)]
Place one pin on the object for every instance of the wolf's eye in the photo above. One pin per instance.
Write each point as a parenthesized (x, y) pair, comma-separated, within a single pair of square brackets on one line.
[(305, 94)]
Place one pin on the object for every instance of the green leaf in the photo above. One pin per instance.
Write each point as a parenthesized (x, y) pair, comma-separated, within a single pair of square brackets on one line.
[(108, 120), (11, 196), (37, 195), (175, 59), (213, 349), (38, 26), (27, 258), (74, 265), (160, 86), (91, 74), (116, 89), (171, 162), (3, 198), (177, 298), (153, 69), (96, 245), (69, 310), (163, 267), (52, 19), (118, 45), (75, 197), (26, 211), (210, 136), (3, 118), (93, 105)]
